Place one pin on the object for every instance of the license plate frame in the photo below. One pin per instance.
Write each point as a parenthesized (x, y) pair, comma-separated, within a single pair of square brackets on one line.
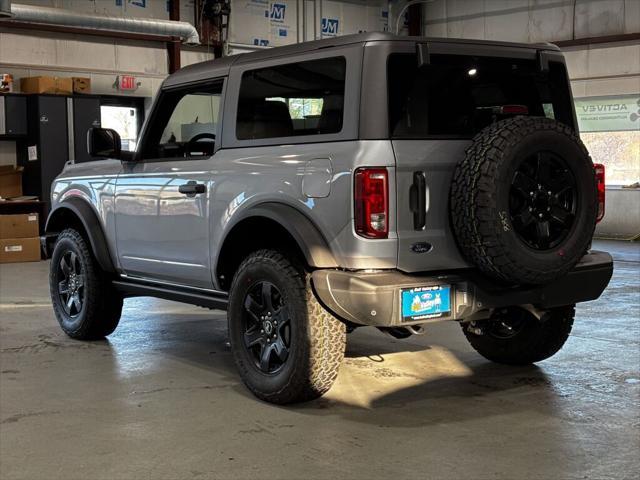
[(426, 302)]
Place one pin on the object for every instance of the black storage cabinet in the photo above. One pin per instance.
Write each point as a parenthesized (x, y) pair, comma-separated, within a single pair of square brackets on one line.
[(13, 116), (47, 127)]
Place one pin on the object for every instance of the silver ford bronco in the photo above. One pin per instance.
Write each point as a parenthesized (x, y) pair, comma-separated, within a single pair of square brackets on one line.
[(365, 180)]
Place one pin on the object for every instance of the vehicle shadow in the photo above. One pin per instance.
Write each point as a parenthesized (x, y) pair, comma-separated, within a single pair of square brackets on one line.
[(383, 381)]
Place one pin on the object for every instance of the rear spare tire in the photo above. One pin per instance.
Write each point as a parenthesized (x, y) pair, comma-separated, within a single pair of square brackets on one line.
[(523, 200)]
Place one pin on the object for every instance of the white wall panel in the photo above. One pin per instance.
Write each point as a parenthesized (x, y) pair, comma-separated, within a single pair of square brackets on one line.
[(42, 3), (144, 57), (631, 16), (101, 7), (550, 20), (531, 20), (434, 16), (73, 51), (597, 18), (465, 19), (579, 88), (26, 49), (509, 22), (577, 59), (613, 59), (612, 86), (188, 57)]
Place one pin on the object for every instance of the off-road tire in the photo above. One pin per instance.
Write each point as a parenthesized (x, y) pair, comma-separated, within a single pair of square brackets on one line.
[(479, 201), (101, 305), (317, 338), (536, 341)]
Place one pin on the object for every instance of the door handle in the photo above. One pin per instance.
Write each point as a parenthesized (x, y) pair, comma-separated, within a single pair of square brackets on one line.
[(418, 200), (191, 188)]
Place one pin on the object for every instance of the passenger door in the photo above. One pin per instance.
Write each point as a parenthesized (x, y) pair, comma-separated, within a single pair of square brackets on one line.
[(163, 200)]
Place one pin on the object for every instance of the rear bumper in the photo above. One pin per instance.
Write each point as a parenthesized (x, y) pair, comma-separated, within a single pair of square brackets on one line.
[(374, 298)]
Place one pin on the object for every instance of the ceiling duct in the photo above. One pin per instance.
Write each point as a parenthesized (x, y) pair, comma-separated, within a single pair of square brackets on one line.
[(5, 8), (67, 18)]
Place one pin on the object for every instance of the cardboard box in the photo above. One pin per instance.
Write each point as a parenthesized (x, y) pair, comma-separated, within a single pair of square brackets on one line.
[(56, 85), (19, 250), (81, 85), (10, 181), (19, 226)]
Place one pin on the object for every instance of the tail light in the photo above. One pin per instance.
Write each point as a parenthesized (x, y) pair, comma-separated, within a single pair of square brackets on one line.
[(599, 170), (372, 202), (513, 110)]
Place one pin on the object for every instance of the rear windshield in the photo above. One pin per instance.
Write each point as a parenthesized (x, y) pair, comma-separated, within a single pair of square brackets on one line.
[(457, 95)]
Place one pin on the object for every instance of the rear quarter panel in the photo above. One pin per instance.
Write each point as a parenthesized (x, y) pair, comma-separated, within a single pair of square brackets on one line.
[(247, 177)]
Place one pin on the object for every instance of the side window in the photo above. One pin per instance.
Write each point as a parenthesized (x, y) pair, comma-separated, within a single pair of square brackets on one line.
[(305, 98), (185, 124)]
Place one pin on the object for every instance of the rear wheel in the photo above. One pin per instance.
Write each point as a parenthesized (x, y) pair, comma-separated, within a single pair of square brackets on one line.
[(514, 336), (286, 346), (84, 302)]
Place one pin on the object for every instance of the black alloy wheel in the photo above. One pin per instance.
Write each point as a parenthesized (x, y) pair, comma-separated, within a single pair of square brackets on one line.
[(543, 201), (267, 327), (85, 303), (286, 346), (508, 323), (514, 336), (71, 283)]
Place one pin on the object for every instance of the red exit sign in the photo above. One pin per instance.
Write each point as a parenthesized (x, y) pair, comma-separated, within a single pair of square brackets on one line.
[(127, 82)]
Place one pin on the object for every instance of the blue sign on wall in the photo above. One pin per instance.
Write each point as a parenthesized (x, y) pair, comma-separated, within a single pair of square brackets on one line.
[(330, 26), (277, 12)]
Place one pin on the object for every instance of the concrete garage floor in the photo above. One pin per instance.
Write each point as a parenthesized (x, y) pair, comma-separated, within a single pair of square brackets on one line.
[(161, 399)]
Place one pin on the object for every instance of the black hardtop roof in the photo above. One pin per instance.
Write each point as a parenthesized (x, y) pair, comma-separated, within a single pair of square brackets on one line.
[(221, 66)]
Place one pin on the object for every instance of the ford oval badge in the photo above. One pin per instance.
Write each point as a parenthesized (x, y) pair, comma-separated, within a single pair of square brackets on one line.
[(421, 247)]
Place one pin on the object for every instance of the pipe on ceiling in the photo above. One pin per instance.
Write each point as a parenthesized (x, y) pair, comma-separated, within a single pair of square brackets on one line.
[(5, 8), (67, 18)]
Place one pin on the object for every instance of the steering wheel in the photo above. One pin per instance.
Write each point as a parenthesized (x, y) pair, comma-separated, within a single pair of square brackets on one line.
[(195, 139)]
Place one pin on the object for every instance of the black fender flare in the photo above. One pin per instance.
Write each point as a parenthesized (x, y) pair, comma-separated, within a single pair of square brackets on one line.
[(92, 227), (311, 242)]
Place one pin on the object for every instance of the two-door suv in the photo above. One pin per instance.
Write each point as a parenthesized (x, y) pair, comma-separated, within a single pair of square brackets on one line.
[(363, 180)]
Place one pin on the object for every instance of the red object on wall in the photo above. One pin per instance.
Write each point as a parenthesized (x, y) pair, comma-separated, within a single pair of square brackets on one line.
[(128, 82)]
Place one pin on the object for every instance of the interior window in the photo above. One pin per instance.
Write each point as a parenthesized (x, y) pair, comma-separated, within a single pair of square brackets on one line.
[(305, 98), (458, 95), (186, 124), (123, 120)]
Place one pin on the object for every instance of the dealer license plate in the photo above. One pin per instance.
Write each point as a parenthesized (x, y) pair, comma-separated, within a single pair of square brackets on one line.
[(423, 303)]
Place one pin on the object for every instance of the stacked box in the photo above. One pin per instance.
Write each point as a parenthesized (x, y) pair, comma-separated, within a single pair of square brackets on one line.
[(55, 85), (19, 238)]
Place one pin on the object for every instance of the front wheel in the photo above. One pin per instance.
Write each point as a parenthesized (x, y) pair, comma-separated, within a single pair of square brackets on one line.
[(85, 304), (514, 336), (286, 346)]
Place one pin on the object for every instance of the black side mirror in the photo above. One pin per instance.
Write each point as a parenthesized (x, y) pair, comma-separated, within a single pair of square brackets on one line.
[(103, 142)]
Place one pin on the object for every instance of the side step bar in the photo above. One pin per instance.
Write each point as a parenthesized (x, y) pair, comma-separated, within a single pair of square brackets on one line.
[(208, 299)]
